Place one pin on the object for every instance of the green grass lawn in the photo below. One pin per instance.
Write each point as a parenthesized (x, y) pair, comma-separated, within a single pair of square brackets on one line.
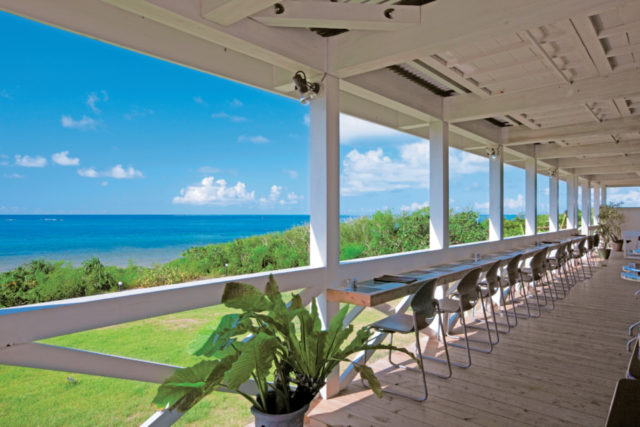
[(35, 397)]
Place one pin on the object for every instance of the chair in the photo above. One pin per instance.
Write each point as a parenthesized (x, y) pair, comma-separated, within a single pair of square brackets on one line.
[(535, 275), (624, 410), (513, 278), (489, 288), (554, 263), (425, 310), (462, 298), (633, 370)]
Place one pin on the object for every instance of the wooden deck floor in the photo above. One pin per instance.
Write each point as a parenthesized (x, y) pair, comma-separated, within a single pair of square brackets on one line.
[(560, 369)]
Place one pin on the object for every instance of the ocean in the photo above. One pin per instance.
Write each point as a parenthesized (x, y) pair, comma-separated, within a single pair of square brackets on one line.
[(116, 239)]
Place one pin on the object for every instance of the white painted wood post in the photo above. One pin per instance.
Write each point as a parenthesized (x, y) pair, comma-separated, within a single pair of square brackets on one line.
[(496, 196), (572, 202), (324, 197), (531, 190), (603, 195), (439, 184), (586, 207), (553, 203), (596, 204)]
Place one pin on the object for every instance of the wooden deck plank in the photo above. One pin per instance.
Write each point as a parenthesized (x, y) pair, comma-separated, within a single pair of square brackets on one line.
[(560, 369)]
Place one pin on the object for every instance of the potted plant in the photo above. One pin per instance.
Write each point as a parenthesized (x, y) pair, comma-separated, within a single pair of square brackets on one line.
[(610, 220), (282, 347)]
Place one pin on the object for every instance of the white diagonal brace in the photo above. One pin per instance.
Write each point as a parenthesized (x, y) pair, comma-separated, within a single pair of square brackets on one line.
[(227, 12), (351, 16), (469, 107)]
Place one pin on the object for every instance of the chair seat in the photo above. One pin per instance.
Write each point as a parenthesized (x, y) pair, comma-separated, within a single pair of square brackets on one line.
[(448, 305), (398, 322)]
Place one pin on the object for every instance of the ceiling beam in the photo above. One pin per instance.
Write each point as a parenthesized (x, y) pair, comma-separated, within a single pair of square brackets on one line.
[(617, 177), (523, 135), (446, 24), (612, 169), (608, 148), (352, 16), (613, 160), (470, 107), (621, 183), (227, 12)]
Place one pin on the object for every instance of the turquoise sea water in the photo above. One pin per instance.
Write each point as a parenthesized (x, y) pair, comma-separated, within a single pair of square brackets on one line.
[(116, 239)]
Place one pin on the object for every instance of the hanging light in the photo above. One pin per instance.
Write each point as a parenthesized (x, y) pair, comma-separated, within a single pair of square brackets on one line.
[(493, 153), (306, 89)]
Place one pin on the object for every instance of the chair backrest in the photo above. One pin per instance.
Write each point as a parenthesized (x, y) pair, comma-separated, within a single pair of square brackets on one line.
[(468, 288), (590, 242), (596, 240), (538, 264), (492, 277), (633, 371), (512, 269), (423, 304), (582, 246)]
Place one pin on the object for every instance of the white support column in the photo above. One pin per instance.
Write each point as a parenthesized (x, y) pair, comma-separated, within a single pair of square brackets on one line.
[(572, 202), (553, 202), (324, 196), (496, 196), (603, 195), (439, 185), (531, 190), (586, 207), (596, 204)]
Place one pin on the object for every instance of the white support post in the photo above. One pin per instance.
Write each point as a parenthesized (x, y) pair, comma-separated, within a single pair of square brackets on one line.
[(496, 196), (553, 203), (531, 208), (439, 184), (572, 202), (603, 195), (596, 204), (586, 207), (325, 198)]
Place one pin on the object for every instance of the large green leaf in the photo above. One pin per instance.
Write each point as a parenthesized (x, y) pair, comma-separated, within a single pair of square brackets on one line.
[(257, 356), (367, 374), (187, 386), (210, 340), (245, 297)]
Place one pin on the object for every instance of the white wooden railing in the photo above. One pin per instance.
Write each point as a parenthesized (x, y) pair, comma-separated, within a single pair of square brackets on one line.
[(21, 326)]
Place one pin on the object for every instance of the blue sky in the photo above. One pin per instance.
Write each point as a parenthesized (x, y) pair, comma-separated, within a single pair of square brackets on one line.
[(91, 128)]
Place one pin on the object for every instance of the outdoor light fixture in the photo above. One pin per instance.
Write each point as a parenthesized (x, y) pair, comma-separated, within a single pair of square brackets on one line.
[(493, 153), (553, 173), (305, 88)]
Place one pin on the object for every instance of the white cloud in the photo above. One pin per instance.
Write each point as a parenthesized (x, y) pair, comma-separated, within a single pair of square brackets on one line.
[(104, 183), (93, 98), (4, 94), (211, 192), (117, 172), (83, 124), (62, 158), (373, 171), (4, 160), (306, 119), (293, 198), (626, 196), (257, 139), (514, 204), (223, 115), (208, 169), (199, 100), (291, 173), (236, 103), (88, 173), (462, 162), (415, 206), (353, 129), (484, 207), (14, 176), (274, 193), (138, 112), (30, 162)]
